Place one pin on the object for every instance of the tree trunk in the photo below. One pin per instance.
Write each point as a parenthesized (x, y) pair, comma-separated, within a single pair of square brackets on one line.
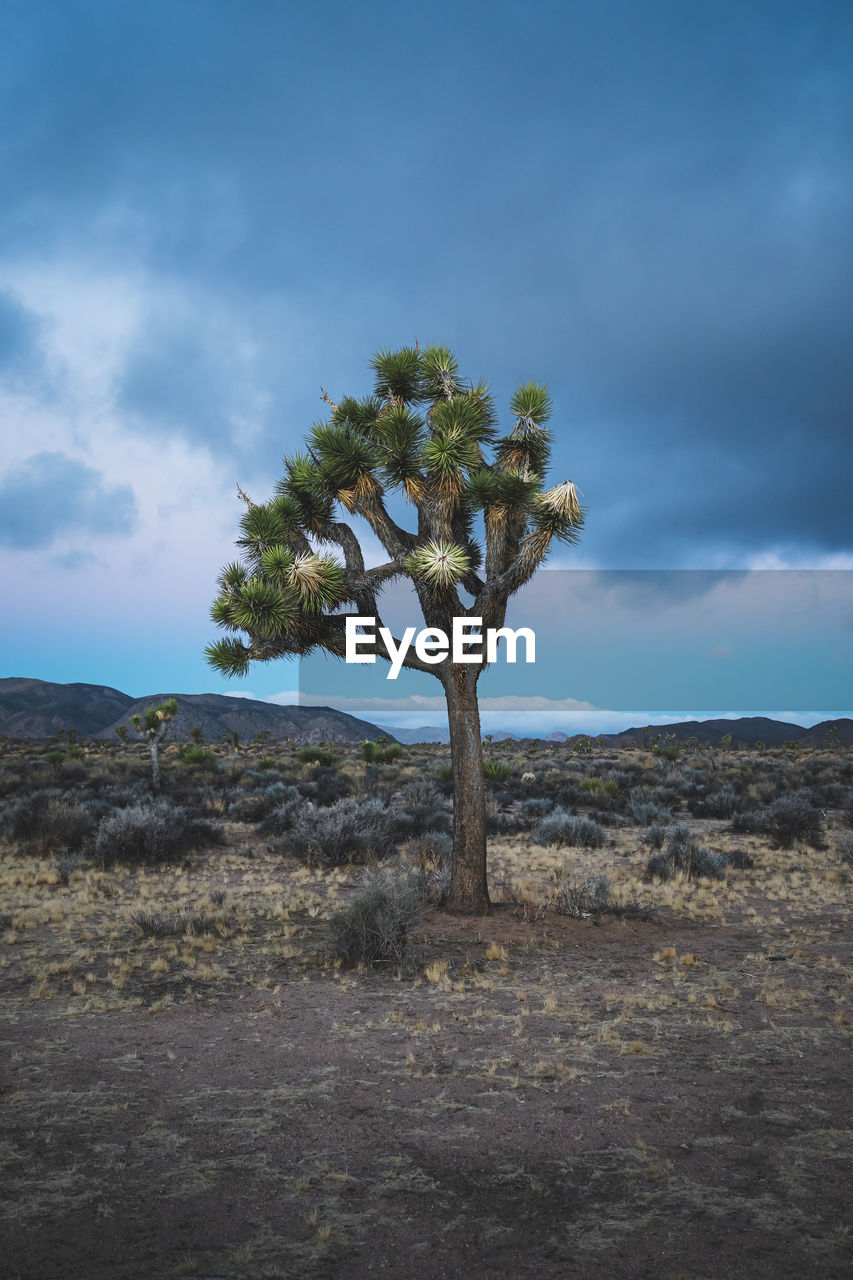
[(469, 894), (154, 749)]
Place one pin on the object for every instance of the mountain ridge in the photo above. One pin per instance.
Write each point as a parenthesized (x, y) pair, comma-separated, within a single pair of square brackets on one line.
[(37, 709)]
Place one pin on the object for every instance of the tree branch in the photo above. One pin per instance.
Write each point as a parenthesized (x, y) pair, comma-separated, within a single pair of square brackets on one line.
[(531, 552), (396, 541)]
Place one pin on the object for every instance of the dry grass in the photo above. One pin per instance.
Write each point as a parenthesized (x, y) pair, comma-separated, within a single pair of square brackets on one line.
[(561, 1091)]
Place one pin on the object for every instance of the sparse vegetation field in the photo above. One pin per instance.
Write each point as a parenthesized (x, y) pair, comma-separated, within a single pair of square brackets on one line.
[(636, 1065)]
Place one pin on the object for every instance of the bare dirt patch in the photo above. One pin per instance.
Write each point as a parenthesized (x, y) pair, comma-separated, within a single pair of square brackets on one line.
[(537, 1096)]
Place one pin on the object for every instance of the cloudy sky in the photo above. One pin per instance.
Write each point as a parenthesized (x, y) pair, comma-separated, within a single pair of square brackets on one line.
[(212, 208)]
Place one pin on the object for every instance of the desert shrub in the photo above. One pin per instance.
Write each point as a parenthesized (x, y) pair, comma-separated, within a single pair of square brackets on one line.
[(567, 795), (283, 815), (427, 808), (266, 763), (376, 926), (722, 803), (497, 770), (739, 859), (749, 822), (444, 772), (381, 753), (318, 755), (536, 807), (592, 786), (325, 786), (347, 831), (591, 898), (794, 817), (645, 807), (98, 807), (656, 834), (154, 925), (44, 821), (431, 856), (844, 845), (683, 853), (847, 808), (149, 832), (260, 802), (500, 819), (66, 863), (194, 753), (562, 828)]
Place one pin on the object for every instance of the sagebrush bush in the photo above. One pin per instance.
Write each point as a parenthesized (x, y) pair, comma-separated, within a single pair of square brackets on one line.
[(562, 828), (844, 845), (325, 786), (375, 928), (847, 808), (282, 817), (646, 807), (683, 853), (590, 898), (347, 831), (536, 807), (748, 822), (427, 808), (656, 834), (149, 832), (722, 803), (431, 855), (793, 817), (739, 859), (500, 818), (258, 803), (43, 822)]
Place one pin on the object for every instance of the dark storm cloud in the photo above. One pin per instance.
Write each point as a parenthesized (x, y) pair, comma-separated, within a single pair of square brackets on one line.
[(647, 205), (52, 494)]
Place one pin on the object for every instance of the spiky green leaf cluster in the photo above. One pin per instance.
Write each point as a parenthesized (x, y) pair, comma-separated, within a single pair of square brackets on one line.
[(438, 564), (429, 434)]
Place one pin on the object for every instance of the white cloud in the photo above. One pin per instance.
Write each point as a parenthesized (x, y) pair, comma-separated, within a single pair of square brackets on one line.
[(186, 501)]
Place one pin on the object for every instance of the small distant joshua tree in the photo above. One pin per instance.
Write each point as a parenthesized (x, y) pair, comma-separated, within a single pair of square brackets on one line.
[(153, 724), (430, 435)]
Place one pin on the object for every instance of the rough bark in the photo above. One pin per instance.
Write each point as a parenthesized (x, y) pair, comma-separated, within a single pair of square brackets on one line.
[(469, 894), (154, 752)]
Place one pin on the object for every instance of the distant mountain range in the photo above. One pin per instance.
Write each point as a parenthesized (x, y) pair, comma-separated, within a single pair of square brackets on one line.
[(40, 709), (748, 729)]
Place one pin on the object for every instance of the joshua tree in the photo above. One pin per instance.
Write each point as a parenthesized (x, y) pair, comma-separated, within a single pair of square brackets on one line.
[(430, 435), (154, 725)]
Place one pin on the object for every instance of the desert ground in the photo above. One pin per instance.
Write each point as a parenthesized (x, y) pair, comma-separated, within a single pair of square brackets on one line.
[(627, 1069)]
